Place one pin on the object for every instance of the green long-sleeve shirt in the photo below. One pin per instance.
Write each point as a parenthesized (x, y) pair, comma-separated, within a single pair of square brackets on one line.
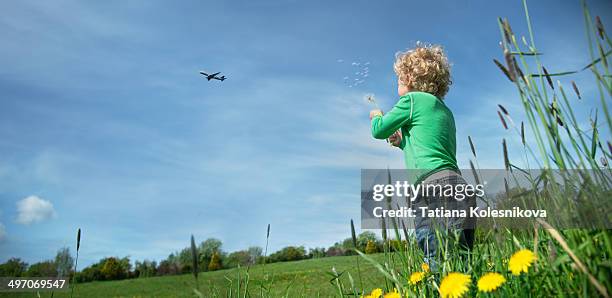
[(428, 133)]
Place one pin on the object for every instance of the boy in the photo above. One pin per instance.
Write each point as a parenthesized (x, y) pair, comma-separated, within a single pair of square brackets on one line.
[(424, 128)]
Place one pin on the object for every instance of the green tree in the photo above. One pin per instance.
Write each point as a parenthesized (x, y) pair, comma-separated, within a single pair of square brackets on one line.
[(371, 247), (14, 267), (206, 250), (289, 253), (64, 262), (364, 238), (112, 269), (145, 268), (255, 253), (215, 262), (42, 269)]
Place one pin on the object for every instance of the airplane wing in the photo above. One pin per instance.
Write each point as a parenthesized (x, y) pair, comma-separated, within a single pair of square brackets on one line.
[(216, 73), (203, 73)]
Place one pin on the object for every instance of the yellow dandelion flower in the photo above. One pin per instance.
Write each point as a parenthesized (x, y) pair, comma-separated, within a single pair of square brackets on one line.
[(521, 261), (393, 294), (416, 277), (490, 282), (454, 285), (376, 293), (425, 267)]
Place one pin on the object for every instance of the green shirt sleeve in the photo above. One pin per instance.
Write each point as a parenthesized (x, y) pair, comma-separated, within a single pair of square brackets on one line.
[(400, 115)]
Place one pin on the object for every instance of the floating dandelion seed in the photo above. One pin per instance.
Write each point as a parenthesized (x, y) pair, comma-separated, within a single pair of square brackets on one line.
[(370, 98), (346, 78), (367, 63), (340, 60)]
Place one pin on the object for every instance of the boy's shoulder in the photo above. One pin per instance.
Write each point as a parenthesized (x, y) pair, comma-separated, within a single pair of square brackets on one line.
[(421, 97)]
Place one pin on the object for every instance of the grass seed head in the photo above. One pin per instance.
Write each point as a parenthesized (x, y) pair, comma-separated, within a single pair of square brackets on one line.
[(503, 69), (550, 83), (503, 109), (507, 31), (503, 121), (353, 235), (472, 146), (505, 151), (523, 133), (576, 89), (78, 239), (604, 60), (194, 258), (604, 162), (600, 27), (510, 62)]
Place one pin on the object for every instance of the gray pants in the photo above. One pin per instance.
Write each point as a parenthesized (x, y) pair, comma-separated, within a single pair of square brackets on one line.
[(448, 228)]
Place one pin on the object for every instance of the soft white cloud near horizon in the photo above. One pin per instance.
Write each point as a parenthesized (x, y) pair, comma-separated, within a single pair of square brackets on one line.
[(34, 209)]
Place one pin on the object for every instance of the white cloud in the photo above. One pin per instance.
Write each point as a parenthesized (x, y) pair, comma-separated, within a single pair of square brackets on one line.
[(2, 233), (34, 209)]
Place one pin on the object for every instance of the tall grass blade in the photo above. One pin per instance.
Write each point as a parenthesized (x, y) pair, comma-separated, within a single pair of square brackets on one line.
[(76, 261), (555, 234), (194, 260)]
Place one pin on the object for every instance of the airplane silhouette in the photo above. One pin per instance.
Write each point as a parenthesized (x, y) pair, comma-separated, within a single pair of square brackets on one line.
[(213, 76)]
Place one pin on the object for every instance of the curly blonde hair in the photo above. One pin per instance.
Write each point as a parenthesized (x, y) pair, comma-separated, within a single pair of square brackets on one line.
[(424, 68)]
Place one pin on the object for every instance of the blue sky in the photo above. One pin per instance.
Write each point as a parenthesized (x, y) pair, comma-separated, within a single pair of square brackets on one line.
[(103, 114)]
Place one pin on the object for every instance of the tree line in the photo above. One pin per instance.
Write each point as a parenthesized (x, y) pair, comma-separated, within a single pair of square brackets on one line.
[(210, 255)]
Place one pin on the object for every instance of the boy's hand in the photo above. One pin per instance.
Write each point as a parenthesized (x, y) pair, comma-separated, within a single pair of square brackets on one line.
[(375, 112), (396, 138)]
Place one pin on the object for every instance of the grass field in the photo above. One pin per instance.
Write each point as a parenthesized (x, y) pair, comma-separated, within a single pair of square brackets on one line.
[(307, 278), (540, 260)]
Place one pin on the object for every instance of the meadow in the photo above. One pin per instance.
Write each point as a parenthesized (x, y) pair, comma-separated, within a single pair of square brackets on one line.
[(306, 278), (540, 260)]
